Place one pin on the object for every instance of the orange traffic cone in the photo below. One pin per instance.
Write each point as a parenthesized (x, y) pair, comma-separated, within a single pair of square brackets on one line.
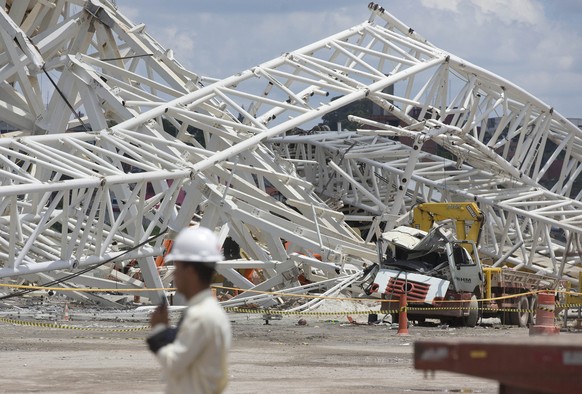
[(545, 318), (403, 316), (66, 312)]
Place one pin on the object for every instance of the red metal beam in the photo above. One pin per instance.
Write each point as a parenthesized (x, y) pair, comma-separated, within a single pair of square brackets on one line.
[(530, 365)]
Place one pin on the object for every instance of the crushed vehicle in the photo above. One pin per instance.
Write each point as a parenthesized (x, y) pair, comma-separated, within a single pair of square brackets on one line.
[(442, 276)]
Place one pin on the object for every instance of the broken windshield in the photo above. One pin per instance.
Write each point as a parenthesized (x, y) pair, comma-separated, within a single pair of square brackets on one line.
[(434, 241)]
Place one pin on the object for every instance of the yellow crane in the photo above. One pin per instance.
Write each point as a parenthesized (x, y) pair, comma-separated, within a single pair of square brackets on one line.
[(467, 218)]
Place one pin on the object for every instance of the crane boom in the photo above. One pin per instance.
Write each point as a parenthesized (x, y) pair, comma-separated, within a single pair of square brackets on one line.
[(466, 216)]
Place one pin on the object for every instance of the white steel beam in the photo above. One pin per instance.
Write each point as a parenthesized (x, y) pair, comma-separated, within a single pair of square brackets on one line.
[(167, 150)]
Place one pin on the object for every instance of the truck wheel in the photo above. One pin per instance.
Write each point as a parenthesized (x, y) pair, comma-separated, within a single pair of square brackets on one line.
[(395, 318), (471, 319), (532, 307), (521, 317)]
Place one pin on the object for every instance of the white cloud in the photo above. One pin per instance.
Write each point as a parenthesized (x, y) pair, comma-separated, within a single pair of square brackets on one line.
[(131, 13), (182, 41), (537, 48), (565, 62), (492, 11), (509, 11), (444, 5), (222, 45)]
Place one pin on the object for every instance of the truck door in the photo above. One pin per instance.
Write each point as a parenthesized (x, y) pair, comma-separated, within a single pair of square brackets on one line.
[(466, 272)]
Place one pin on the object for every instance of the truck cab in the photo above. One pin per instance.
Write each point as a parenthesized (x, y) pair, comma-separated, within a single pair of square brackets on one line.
[(466, 271), (434, 258), (433, 269)]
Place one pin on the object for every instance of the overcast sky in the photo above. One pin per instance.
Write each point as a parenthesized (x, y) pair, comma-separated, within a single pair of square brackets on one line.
[(535, 44)]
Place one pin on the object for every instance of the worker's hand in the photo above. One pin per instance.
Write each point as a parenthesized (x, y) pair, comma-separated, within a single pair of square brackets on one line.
[(160, 315)]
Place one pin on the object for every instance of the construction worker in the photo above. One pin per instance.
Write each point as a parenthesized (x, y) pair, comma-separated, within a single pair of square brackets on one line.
[(193, 355)]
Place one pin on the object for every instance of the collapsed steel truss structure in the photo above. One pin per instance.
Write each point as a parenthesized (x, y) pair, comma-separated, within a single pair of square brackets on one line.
[(156, 147)]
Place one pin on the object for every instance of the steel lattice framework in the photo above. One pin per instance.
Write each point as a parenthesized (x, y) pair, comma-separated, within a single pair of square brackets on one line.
[(161, 146)]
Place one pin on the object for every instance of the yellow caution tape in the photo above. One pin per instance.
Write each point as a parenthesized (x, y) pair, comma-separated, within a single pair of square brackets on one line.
[(369, 312), (307, 313), (564, 306), (282, 294), (84, 289), (68, 327)]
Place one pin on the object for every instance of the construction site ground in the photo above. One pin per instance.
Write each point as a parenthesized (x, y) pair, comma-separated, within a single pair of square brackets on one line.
[(327, 354)]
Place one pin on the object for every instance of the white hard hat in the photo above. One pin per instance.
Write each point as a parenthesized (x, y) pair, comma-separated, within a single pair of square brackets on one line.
[(195, 244)]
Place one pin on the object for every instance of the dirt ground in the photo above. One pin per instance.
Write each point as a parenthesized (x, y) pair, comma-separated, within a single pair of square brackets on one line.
[(327, 355)]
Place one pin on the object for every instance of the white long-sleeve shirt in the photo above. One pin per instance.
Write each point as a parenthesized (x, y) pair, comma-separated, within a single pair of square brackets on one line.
[(196, 361)]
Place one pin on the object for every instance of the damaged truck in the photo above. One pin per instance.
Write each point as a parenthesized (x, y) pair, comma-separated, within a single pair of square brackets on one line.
[(441, 272)]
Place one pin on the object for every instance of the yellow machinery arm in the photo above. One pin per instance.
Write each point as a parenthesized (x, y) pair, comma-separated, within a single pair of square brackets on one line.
[(467, 217)]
